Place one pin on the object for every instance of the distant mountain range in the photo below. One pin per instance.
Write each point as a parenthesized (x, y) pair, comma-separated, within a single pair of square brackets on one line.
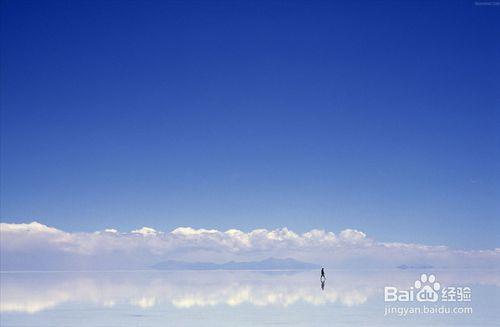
[(267, 264)]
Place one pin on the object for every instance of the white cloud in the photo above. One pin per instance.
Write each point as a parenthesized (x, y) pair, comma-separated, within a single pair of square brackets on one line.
[(145, 231), (352, 235), (190, 231), (33, 227), (36, 246)]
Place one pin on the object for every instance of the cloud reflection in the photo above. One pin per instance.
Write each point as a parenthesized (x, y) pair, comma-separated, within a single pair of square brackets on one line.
[(35, 292)]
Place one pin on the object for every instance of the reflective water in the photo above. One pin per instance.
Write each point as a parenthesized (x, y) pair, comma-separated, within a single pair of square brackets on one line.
[(233, 298)]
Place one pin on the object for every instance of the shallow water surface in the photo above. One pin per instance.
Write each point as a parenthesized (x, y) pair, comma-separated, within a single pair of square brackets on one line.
[(241, 298)]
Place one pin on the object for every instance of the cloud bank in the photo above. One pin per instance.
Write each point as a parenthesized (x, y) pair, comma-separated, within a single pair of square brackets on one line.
[(37, 246)]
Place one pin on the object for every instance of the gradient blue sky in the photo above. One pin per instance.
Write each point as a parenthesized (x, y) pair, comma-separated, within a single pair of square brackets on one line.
[(380, 116)]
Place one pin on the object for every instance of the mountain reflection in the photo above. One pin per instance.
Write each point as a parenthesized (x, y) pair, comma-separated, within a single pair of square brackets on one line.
[(35, 292)]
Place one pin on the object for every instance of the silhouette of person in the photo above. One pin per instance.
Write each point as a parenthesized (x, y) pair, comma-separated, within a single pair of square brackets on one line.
[(322, 278)]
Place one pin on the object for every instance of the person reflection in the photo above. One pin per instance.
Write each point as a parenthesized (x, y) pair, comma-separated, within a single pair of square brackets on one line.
[(322, 278)]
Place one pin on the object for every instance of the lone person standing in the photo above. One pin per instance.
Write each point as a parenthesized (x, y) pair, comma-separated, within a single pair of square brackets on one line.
[(323, 273)]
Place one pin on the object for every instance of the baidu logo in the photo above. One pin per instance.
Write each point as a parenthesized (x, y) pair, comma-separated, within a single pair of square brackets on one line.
[(427, 289)]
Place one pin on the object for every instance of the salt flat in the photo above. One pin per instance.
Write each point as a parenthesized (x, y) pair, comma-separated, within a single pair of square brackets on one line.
[(235, 298)]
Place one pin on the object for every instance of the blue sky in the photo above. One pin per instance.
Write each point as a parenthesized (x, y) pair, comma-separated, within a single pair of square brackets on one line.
[(377, 116)]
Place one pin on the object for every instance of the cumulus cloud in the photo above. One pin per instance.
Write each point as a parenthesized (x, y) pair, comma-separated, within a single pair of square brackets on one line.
[(37, 246)]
